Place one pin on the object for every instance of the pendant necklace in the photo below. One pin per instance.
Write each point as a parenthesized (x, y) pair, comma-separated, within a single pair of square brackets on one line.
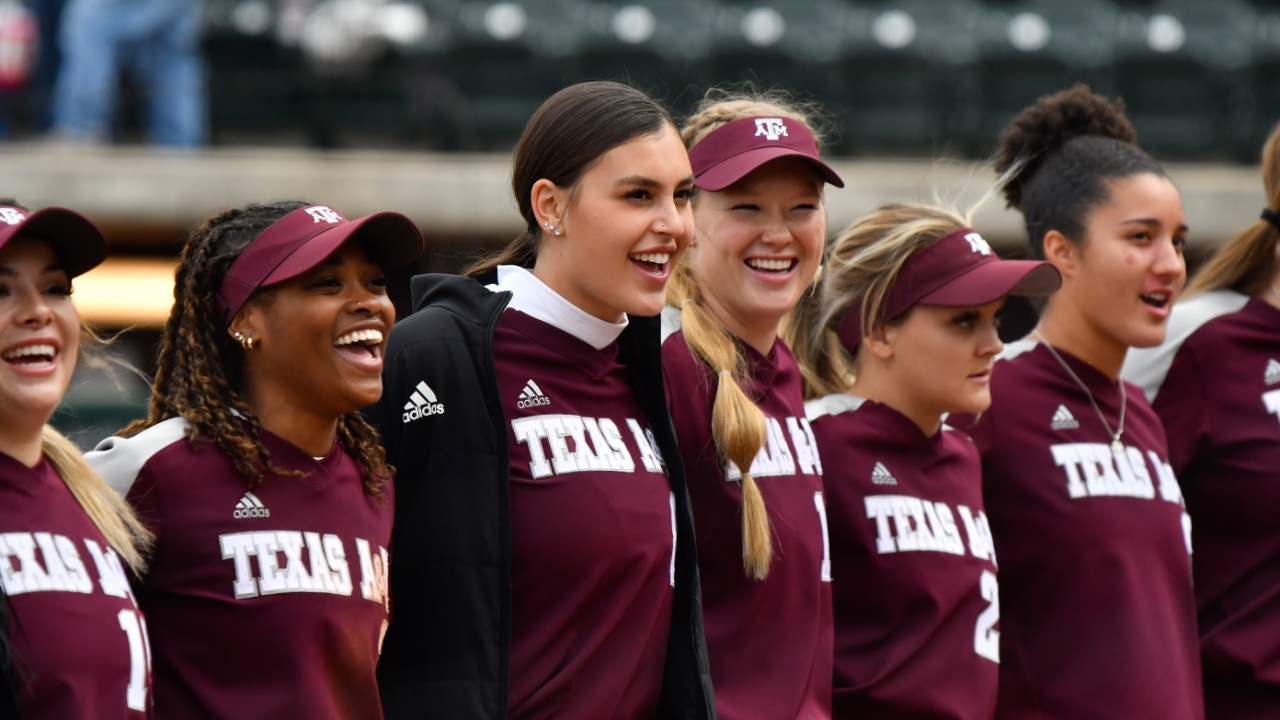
[(1116, 445)]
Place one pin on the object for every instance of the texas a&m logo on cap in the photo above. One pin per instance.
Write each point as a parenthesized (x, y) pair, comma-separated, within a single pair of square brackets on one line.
[(977, 244), (324, 213), (11, 216), (771, 128)]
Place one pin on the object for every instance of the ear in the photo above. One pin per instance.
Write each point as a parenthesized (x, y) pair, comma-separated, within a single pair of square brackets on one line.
[(880, 343), (1062, 252), (249, 322), (548, 203)]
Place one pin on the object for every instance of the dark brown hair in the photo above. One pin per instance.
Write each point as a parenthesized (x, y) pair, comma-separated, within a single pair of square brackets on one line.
[(1063, 151), (565, 137), (200, 372)]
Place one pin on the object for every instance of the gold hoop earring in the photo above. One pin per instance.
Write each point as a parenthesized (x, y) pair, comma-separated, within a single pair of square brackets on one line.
[(245, 342)]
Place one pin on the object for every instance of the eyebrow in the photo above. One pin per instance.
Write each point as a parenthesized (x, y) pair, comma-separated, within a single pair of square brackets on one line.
[(643, 181), (1149, 221)]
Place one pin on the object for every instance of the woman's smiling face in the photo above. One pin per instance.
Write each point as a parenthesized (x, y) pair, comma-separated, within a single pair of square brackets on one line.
[(39, 331)]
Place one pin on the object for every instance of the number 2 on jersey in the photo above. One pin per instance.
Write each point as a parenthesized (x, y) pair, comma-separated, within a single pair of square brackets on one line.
[(135, 629), (986, 639)]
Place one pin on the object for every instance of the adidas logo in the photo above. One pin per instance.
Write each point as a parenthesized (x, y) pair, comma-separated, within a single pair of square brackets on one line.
[(250, 507), (1273, 372), (422, 403), (1063, 419), (532, 396), (880, 475)]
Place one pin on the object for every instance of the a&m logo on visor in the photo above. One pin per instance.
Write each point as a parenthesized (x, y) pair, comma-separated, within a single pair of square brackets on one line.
[(770, 128), (11, 216), (323, 213), (977, 244)]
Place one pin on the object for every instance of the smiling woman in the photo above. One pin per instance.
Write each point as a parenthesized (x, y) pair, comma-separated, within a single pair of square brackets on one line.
[(733, 386), (253, 448), (543, 538)]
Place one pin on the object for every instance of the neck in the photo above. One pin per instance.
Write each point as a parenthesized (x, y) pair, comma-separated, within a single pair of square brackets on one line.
[(1271, 293), (876, 384), (1066, 329), (760, 336), (561, 284), (311, 432), (22, 443)]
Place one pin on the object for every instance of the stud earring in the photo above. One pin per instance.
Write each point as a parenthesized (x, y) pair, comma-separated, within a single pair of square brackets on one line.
[(245, 342)]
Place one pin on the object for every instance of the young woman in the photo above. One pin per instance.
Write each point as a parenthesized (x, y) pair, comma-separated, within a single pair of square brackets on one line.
[(267, 493), (1097, 614), (755, 479), (901, 331), (1216, 386), (75, 644), (544, 567)]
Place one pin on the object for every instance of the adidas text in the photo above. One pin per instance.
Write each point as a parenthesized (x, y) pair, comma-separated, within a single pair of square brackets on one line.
[(532, 396), (422, 403)]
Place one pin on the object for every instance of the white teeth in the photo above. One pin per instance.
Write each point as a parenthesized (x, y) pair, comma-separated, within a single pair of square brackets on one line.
[(770, 264), (29, 350), (364, 337), (659, 258)]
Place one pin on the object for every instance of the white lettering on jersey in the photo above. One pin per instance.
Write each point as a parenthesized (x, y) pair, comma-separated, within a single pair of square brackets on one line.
[(1271, 400), (1097, 470), (605, 450), (62, 570), (324, 570), (373, 570), (648, 447), (918, 525), (775, 457), (981, 544)]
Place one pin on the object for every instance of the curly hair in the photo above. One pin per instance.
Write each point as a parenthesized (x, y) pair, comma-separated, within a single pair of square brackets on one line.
[(200, 370), (1060, 153)]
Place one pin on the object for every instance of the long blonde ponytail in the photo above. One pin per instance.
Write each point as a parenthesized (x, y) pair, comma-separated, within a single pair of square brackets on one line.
[(113, 516), (738, 426)]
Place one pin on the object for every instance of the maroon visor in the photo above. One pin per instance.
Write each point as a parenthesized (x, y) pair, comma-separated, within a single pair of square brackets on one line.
[(77, 242), (728, 153), (302, 240), (959, 270)]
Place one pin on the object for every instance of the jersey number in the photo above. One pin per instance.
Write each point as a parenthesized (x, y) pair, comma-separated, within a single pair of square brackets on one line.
[(139, 659), (826, 543), (986, 639)]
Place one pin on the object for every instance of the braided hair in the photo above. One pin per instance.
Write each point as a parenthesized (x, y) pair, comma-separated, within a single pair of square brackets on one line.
[(200, 371)]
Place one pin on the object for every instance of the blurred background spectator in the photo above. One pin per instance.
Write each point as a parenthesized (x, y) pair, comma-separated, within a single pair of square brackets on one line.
[(414, 106)]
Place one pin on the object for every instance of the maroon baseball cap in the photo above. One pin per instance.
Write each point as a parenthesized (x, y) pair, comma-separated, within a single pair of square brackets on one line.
[(302, 240), (728, 153), (959, 270), (78, 243)]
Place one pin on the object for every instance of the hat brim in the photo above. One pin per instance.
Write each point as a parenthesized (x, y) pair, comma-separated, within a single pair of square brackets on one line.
[(732, 169), (991, 281), (78, 243), (390, 238)]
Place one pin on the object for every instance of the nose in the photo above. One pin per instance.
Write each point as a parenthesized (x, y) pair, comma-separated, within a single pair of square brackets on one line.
[(670, 220), (1170, 263), (33, 310), (989, 343)]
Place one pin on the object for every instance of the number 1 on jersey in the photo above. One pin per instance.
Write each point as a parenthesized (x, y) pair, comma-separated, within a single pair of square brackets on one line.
[(135, 629)]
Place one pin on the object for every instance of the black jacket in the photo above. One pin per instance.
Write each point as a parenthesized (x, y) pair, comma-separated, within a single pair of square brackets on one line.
[(447, 651)]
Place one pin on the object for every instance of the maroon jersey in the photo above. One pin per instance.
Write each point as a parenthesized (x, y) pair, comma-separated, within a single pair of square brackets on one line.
[(913, 568), (592, 529), (79, 641), (267, 603), (1220, 403), (1097, 613), (769, 641)]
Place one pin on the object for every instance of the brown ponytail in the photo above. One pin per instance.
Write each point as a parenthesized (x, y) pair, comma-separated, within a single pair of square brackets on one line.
[(1247, 263), (737, 425)]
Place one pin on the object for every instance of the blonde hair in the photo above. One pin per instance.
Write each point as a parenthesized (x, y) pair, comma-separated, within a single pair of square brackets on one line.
[(1247, 263), (738, 426), (862, 265), (113, 516)]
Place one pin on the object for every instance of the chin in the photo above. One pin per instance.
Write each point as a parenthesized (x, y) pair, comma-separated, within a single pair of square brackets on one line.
[(644, 306), (1146, 337)]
